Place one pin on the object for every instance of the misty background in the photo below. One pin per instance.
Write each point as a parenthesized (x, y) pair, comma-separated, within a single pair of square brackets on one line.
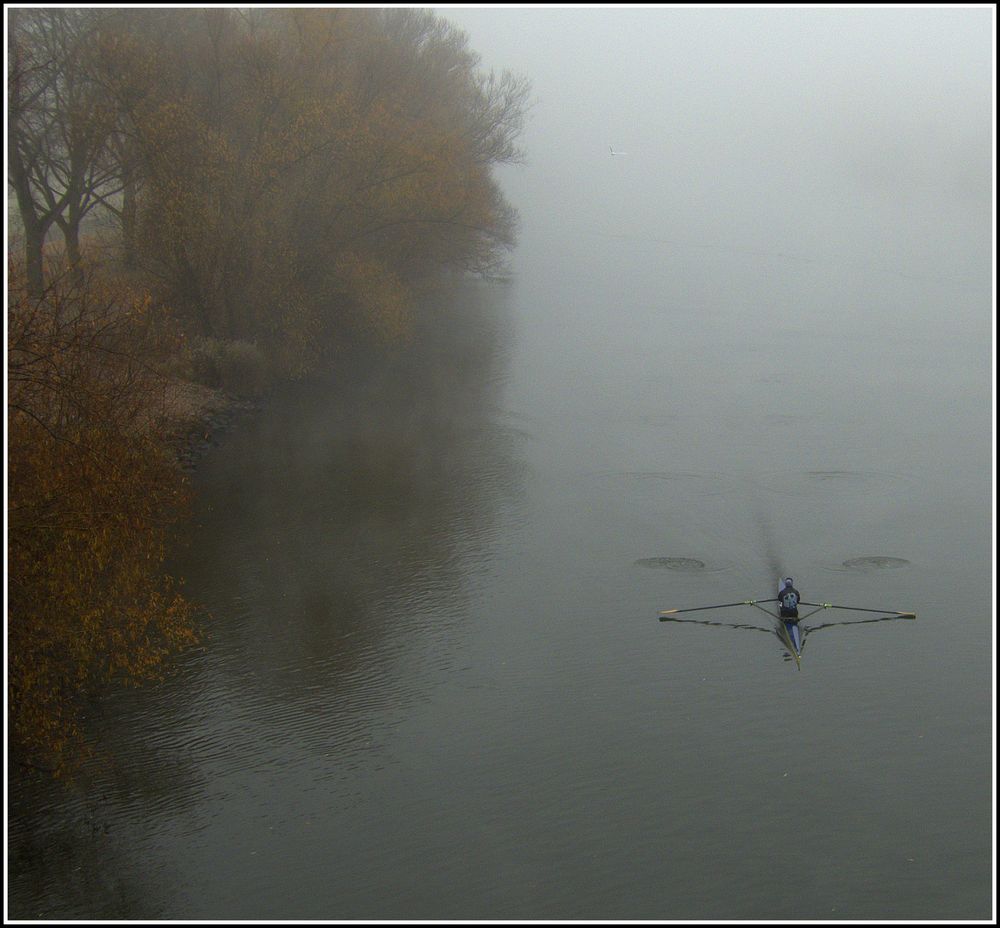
[(855, 135)]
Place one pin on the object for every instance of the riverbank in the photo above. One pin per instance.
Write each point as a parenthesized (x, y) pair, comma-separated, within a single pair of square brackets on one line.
[(194, 417)]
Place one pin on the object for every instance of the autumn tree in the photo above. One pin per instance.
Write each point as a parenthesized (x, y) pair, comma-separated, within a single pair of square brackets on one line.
[(127, 64), (404, 185), (305, 165), (91, 492)]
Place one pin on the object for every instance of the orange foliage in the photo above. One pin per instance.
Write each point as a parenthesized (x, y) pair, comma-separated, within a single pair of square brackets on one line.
[(90, 494), (304, 163)]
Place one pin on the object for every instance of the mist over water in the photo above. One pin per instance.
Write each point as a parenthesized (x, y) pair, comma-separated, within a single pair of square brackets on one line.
[(754, 345), (845, 137)]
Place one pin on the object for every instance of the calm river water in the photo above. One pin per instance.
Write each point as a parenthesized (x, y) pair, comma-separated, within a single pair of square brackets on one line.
[(435, 684)]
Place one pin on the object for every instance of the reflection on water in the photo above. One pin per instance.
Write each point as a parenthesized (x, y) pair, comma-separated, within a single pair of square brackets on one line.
[(335, 536), (879, 562), (350, 540), (777, 630), (672, 563), (368, 499), (690, 564), (840, 482)]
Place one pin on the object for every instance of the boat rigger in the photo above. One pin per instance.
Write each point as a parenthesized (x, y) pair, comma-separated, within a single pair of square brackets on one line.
[(788, 625)]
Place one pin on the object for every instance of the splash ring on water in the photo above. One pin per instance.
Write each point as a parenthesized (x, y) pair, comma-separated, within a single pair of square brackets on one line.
[(878, 562), (837, 482), (672, 563)]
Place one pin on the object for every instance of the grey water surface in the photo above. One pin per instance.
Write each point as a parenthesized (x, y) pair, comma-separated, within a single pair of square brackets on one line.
[(435, 684)]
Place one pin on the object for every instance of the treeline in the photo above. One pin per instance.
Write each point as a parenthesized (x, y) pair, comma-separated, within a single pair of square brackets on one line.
[(278, 175), (269, 183)]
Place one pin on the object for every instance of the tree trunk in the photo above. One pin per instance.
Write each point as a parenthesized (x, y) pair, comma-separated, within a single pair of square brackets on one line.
[(129, 216), (36, 225), (34, 244), (71, 233)]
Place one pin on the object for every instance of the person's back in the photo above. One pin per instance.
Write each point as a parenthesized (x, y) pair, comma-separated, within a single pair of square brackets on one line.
[(788, 600)]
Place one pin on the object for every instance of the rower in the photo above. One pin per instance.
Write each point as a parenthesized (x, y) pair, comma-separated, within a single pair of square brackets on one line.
[(788, 601)]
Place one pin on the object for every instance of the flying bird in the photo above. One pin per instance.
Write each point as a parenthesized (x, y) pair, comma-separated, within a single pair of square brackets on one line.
[(612, 149)]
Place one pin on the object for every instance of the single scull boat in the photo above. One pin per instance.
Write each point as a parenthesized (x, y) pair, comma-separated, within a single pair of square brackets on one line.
[(789, 631)]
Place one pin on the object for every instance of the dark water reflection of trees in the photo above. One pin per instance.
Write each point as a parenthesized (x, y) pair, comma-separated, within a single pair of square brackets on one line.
[(347, 509), (355, 495)]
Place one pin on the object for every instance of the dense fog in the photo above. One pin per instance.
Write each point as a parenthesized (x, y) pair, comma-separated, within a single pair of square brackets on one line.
[(839, 134)]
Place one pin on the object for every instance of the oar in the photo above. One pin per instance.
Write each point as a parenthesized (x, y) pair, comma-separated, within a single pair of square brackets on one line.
[(664, 616), (902, 615)]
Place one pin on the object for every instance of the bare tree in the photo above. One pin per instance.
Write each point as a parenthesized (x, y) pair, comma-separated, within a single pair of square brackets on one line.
[(61, 123), (30, 74)]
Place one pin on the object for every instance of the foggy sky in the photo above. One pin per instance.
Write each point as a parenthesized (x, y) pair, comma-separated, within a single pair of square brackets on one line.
[(811, 131)]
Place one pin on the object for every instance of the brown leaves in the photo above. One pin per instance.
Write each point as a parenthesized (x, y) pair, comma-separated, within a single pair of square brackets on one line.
[(90, 495), (346, 140), (380, 299)]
